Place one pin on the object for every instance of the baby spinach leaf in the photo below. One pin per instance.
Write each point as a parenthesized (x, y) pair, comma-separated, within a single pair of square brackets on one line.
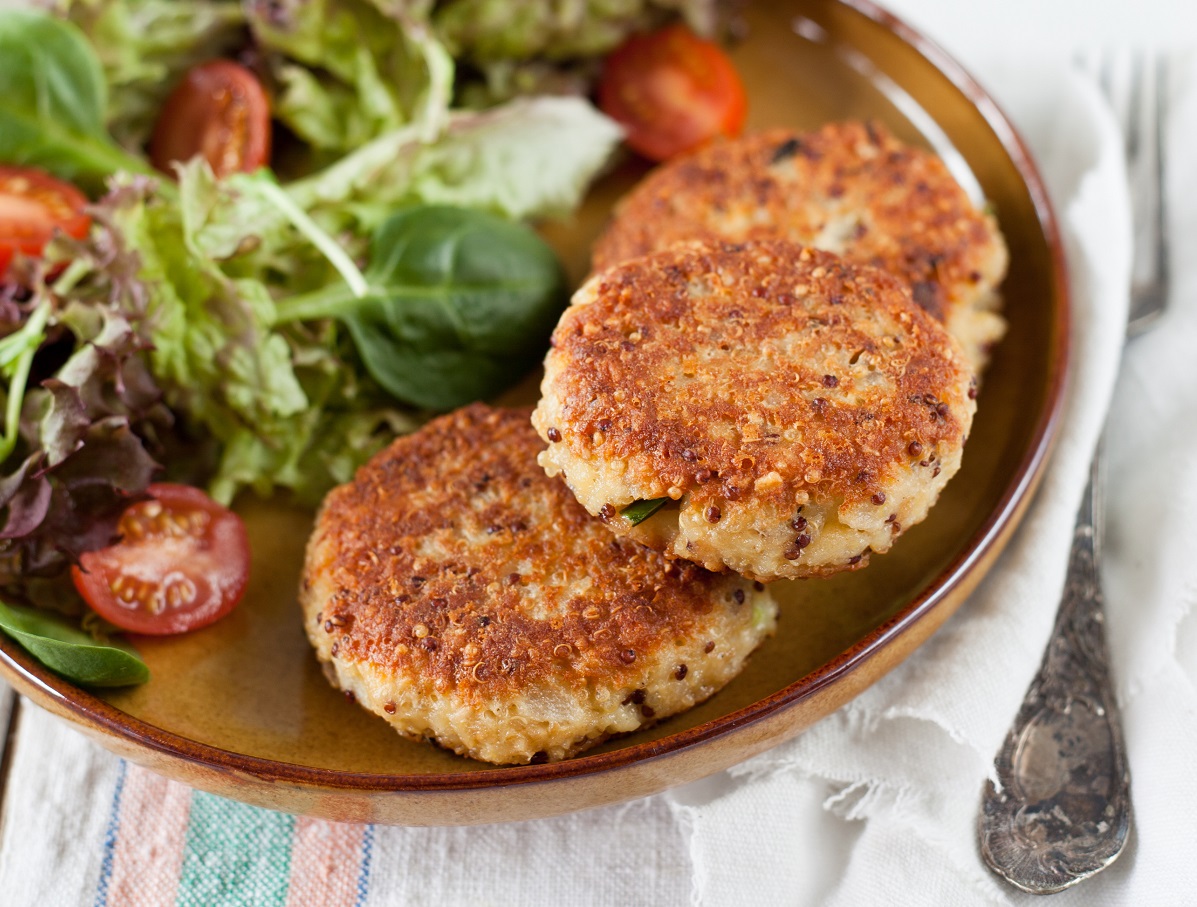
[(70, 652), (55, 98), (457, 305), (639, 511)]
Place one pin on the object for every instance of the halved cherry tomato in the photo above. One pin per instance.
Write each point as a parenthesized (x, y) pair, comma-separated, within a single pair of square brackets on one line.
[(32, 205), (672, 91), (182, 562), (220, 111)]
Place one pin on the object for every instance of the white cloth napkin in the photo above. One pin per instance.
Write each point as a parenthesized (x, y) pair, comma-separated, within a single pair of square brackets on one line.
[(878, 803)]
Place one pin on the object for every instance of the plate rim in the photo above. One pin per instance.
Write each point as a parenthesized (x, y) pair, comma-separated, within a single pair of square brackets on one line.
[(92, 712)]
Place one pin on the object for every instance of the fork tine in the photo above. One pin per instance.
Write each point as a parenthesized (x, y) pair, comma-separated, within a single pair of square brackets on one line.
[(1135, 85), (1106, 66), (1136, 121), (1114, 71), (1161, 99), (1145, 163)]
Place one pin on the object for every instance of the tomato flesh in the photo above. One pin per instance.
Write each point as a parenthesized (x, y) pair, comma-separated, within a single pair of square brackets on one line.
[(672, 91), (219, 111), (33, 205), (182, 563)]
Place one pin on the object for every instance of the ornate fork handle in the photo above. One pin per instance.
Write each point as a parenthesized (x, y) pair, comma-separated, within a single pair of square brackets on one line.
[(1063, 811)]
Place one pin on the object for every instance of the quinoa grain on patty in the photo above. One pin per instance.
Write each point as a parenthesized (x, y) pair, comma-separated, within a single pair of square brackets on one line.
[(796, 411), (849, 188), (462, 595)]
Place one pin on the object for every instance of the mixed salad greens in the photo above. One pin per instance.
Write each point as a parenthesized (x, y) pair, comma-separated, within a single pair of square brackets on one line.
[(270, 329)]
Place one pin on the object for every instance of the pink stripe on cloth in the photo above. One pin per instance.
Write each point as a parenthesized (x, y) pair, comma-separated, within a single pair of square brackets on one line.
[(148, 854), (326, 862)]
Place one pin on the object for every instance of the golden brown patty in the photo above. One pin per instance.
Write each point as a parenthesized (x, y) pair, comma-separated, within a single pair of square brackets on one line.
[(462, 595), (801, 410), (849, 188)]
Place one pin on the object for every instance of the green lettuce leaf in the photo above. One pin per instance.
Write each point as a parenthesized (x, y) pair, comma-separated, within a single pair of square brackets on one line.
[(488, 31), (348, 71), (529, 158), (145, 46), (196, 274), (277, 399), (209, 347), (282, 408), (521, 49)]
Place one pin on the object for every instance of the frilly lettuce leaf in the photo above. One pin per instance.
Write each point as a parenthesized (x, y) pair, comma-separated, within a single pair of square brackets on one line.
[(183, 287), (290, 406), (342, 71), (208, 344), (488, 31), (529, 158), (88, 437), (160, 353), (519, 49), (282, 405), (348, 71), (145, 46)]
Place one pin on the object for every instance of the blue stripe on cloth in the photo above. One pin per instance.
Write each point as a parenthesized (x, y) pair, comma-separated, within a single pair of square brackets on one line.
[(363, 878), (235, 855), (110, 833)]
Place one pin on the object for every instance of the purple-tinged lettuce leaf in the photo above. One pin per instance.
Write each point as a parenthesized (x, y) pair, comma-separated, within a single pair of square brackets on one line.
[(173, 296), (24, 499), (91, 425)]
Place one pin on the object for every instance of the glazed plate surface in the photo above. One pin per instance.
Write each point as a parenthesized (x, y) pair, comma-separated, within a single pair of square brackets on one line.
[(241, 708)]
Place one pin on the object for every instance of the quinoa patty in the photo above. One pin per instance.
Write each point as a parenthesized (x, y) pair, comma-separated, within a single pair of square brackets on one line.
[(462, 595), (849, 188), (798, 410)]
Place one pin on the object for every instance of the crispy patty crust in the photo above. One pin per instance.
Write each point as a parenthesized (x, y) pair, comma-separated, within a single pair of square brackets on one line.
[(462, 595), (849, 188), (798, 410)]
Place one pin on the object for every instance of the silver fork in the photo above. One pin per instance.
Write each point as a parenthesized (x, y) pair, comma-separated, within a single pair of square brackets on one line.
[(1062, 810)]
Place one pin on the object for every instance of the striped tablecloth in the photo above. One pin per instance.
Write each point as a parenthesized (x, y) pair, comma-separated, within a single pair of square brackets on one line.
[(82, 827)]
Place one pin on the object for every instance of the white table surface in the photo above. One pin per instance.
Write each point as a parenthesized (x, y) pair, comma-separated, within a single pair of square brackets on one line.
[(977, 30)]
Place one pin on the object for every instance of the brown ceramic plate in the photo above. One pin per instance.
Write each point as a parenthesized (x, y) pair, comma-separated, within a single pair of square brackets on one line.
[(241, 708)]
